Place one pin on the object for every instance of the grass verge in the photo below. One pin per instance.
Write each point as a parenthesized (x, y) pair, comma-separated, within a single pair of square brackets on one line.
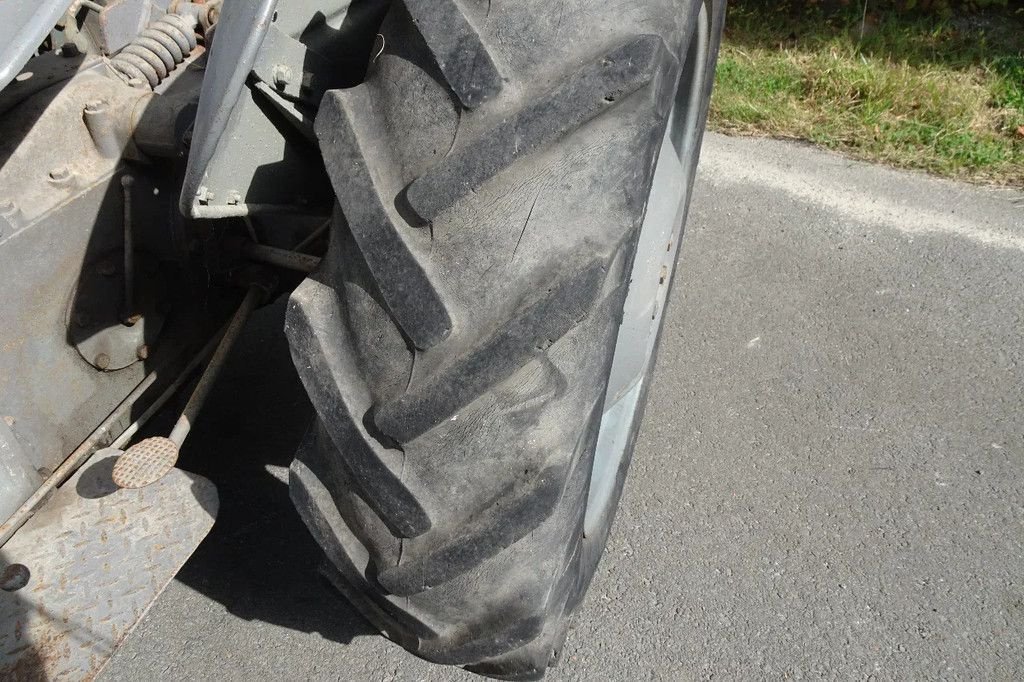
[(942, 95)]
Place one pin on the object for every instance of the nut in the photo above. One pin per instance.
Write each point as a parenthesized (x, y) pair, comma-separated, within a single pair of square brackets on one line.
[(204, 195), (102, 361), (142, 352)]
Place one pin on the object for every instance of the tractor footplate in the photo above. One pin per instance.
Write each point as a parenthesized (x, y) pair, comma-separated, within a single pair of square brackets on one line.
[(83, 571)]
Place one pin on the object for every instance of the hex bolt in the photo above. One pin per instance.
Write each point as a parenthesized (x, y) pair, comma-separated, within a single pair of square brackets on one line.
[(209, 16), (102, 361), (204, 195), (282, 76), (142, 352), (61, 175), (95, 106)]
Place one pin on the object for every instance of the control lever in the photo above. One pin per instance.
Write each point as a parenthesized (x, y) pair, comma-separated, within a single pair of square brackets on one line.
[(149, 460)]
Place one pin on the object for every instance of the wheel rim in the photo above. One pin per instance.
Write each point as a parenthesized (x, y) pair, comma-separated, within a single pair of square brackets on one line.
[(650, 277)]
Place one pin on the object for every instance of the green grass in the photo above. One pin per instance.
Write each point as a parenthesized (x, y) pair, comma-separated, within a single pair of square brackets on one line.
[(946, 96)]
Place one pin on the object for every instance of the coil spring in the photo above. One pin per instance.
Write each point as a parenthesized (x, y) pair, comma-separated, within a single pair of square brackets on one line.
[(163, 45)]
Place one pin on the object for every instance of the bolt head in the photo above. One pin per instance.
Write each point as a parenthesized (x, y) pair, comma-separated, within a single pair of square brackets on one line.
[(142, 352), (14, 577), (61, 175), (282, 76), (102, 361)]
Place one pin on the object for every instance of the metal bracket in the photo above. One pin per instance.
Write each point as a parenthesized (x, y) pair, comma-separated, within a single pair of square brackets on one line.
[(291, 69)]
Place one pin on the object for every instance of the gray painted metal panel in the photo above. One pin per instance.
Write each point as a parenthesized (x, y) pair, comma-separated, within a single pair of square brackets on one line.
[(60, 225), (54, 228)]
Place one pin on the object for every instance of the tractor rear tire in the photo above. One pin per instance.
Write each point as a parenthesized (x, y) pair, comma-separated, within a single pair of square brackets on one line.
[(494, 174)]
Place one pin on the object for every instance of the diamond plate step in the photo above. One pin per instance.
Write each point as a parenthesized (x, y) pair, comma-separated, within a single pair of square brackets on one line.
[(98, 557)]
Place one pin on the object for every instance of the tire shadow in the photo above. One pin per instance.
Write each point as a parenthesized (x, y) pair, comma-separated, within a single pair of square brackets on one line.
[(259, 561)]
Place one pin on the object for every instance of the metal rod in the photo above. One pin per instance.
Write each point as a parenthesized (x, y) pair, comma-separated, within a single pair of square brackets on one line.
[(129, 249), (171, 389), (202, 389), (315, 234), (280, 257)]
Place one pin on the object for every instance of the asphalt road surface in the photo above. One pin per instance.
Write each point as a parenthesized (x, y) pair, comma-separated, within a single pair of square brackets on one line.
[(829, 481)]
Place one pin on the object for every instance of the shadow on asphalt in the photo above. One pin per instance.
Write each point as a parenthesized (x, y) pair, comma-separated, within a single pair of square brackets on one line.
[(259, 561)]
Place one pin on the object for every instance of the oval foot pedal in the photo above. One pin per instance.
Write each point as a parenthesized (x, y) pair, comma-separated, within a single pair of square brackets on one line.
[(145, 463)]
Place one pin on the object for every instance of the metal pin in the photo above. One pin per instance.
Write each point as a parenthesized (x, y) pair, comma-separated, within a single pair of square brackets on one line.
[(129, 252)]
